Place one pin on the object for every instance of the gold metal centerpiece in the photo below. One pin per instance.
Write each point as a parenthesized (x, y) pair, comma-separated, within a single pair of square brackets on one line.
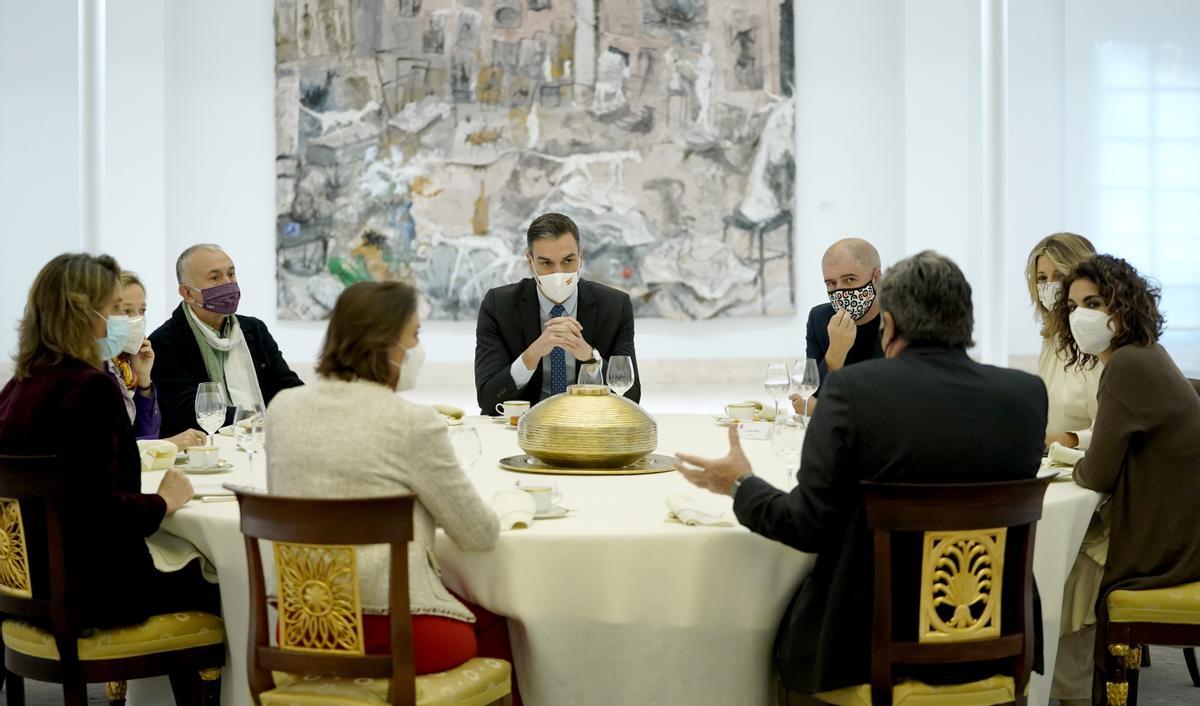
[(586, 427)]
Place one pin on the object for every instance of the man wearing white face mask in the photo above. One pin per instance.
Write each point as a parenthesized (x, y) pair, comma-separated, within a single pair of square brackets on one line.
[(532, 336)]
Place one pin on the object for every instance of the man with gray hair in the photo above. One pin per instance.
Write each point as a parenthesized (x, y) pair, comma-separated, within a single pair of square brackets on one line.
[(916, 416), (206, 341)]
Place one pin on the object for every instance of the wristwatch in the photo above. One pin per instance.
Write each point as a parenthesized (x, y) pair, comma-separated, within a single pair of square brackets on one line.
[(738, 483), (594, 359)]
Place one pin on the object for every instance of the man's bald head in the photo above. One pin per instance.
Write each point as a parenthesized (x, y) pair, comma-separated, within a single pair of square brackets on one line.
[(849, 264)]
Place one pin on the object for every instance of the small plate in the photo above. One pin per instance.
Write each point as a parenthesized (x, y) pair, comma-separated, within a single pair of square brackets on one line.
[(557, 512), (222, 466)]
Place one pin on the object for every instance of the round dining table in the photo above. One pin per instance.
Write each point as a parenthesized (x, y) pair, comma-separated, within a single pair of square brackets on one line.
[(615, 602)]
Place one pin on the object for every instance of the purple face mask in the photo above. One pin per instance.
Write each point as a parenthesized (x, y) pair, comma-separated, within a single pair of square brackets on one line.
[(222, 299)]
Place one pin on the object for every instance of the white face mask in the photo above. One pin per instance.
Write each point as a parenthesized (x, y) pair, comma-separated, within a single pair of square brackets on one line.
[(559, 286), (137, 334), (410, 367), (1049, 293), (1091, 329)]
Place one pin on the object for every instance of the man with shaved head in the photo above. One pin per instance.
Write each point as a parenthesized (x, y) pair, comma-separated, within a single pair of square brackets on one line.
[(845, 330), (206, 341)]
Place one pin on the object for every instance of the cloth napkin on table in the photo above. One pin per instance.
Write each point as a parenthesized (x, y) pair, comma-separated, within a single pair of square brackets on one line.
[(687, 510), (156, 454), (1062, 456), (451, 414), (514, 508)]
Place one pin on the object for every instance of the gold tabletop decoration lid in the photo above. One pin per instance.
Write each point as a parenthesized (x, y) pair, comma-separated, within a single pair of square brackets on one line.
[(587, 427)]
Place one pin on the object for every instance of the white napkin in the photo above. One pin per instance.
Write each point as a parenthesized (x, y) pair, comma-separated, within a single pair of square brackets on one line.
[(156, 454), (172, 553), (1062, 456), (687, 510), (515, 508)]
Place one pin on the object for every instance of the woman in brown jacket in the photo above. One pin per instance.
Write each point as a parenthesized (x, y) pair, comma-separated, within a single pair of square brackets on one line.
[(1144, 451)]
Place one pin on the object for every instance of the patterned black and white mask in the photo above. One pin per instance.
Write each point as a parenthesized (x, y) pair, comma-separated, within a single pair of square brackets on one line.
[(855, 301)]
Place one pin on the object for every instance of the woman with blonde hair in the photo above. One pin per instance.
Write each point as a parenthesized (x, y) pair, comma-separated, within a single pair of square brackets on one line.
[(1071, 391), (61, 401), (132, 366)]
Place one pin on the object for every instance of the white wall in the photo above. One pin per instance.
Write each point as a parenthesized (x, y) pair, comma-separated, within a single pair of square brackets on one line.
[(891, 146)]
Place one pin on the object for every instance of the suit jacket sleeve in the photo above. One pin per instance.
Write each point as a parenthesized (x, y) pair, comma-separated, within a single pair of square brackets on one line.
[(623, 345), (277, 371), (493, 382), (98, 420), (814, 515)]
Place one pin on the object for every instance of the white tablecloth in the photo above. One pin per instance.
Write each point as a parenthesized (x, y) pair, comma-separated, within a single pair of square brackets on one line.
[(612, 604)]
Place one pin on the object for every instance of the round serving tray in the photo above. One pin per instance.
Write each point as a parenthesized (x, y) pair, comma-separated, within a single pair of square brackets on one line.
[(654, 463)]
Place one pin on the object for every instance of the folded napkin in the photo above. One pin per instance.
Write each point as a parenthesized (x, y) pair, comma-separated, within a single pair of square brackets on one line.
[(212, 493), (687, 510), (1062, 456), (171, 553), (450, 411), (514, 508), (156, 454)]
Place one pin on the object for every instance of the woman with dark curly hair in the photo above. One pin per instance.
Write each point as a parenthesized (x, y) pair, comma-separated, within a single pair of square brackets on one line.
[(1145, 445)]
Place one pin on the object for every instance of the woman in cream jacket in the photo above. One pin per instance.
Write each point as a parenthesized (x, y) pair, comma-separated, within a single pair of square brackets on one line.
[(351, 435)]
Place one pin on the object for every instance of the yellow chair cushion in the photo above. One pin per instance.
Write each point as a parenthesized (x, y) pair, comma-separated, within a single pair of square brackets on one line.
[(161, 633), (476, 682), (1177, 605), (985, 692)]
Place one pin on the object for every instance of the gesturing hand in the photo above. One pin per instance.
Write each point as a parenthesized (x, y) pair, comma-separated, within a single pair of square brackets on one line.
[(716, 474), (842, 331)]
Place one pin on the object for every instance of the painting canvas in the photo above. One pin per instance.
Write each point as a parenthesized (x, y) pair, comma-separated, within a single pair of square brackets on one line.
[(417, 139)]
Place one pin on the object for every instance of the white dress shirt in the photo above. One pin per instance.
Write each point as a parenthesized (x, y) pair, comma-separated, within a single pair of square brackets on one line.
[(522, 375)]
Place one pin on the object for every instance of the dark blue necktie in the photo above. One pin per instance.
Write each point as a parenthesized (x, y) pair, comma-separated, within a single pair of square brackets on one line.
[(558, 359)]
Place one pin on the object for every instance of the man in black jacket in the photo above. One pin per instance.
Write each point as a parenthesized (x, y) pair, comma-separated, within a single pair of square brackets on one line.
[(204, 341), (532, 337), (925, 414)]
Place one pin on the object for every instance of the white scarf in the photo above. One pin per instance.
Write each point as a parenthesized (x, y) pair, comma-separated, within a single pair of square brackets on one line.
[(241, 380)]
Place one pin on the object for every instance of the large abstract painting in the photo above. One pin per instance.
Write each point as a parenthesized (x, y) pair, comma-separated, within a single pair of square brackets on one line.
[(418, 138)]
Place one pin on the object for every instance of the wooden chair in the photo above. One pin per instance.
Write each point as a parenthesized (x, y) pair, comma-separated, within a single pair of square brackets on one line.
[(966, 589), (187, 647), (321, 653), (1161, 616)]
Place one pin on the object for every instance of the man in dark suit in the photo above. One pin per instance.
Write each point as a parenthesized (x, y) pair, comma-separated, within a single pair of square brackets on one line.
[(845, 330), (918, 416), (532, 337), (204, 341)]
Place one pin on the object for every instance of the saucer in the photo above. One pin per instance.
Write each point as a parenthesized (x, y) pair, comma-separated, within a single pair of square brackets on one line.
[(557, 512), (723, 421), (222, 466)]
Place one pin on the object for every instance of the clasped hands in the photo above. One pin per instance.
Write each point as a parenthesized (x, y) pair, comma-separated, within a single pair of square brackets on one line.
[(562, 332)]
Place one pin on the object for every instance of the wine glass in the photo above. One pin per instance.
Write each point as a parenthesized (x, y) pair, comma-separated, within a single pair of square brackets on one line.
[(210, 408), (465, 442), (590, 374), (620, 374), (807, 378), (787, 439), (776, 382), (249, 428)]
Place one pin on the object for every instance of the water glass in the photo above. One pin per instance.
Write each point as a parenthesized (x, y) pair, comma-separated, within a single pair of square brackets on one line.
[(590, 374), (787, 439), (210, 407), (249, 429), (807, 378), (620, 374), (467, 448), (776, 382)]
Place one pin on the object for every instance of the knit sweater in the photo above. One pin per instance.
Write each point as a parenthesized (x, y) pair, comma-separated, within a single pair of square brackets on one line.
[(340, 439), (1072, 393)]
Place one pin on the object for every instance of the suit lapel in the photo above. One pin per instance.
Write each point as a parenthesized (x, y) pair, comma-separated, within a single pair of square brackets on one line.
[(531, 318), (587, 313)]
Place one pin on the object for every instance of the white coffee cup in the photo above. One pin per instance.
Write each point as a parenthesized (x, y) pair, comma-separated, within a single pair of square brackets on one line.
[(513, 409), (202, 456), (741, 411), (546, 497)]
